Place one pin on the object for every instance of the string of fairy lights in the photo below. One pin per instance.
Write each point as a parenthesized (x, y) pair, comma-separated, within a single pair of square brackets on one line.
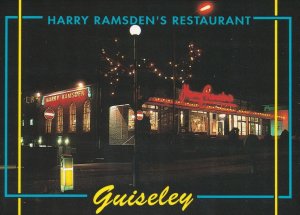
[(116, 66)]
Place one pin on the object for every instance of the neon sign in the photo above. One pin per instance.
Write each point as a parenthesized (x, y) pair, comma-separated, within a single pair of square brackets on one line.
[(66, 96), (206, 97), (209, 108)]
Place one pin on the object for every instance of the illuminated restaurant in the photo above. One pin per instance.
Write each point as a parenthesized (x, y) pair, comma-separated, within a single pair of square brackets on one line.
[(75, 117), (69, 119), (200, 113)]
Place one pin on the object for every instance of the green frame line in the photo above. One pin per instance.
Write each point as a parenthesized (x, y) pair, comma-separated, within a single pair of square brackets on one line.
[(7, 195)]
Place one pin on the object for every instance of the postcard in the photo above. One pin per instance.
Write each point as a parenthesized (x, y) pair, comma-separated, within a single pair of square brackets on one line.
[(150, 107)]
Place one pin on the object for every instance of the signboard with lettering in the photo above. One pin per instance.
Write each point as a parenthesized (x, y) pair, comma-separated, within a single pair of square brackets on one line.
[(66, 97), (206, 97)]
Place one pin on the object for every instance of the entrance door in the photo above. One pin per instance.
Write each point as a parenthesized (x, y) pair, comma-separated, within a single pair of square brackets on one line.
[(220, 127)]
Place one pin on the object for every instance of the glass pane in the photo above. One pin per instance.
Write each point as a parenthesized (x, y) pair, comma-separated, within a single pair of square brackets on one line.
[(243, 128), (154, 120), (130, 119), (198, 121)]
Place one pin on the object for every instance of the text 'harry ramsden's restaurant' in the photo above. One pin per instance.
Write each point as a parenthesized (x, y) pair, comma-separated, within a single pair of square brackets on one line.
[(205, 114)]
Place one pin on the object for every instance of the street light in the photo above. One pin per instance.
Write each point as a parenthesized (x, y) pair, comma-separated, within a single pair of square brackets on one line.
[(40, 140), (80, 84), (205, 8), (67, 141), (59, 140), (135, 31)]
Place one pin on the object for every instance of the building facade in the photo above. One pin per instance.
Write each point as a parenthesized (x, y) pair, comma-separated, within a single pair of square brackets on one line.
[(77, 122), (70, 121), (194, 113)]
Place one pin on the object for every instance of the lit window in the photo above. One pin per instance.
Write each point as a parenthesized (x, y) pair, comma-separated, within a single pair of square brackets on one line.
[(254, 126), (87, 116), (154, 120), (152, 112), (23, 122), (31, 122), (60, 120), (213, 124), (240, 123), (131, 118), (72, 124), (198, 121), (48, 125), (181, 119), (166, 121)]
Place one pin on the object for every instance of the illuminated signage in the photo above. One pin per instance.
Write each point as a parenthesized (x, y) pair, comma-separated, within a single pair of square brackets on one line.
[(206, 97), (209, 108), (67, 96), (206, 101)]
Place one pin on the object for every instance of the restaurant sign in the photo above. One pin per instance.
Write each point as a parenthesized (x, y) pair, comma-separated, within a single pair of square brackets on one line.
[(206, 97), (66, 97)]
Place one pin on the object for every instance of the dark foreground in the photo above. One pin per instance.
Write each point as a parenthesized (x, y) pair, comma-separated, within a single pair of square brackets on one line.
[(231, 174)]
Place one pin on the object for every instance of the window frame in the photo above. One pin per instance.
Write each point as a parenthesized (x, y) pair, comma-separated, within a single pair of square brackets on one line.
[(86, 119), (60, 120), (72, 118)]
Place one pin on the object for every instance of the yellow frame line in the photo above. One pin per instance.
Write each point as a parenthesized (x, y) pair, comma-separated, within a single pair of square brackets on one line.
[(19, 103), (276, 108)]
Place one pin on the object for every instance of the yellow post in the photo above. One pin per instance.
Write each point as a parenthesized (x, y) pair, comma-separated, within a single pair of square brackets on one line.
[(19, 103), (276, 109), (66, 173)]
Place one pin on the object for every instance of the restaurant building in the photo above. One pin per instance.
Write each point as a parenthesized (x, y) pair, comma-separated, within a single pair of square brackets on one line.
[(200, 113), (78, 119), (70, 120)]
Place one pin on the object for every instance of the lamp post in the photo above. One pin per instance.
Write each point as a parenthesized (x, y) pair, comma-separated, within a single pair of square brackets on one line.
[(135, 31)]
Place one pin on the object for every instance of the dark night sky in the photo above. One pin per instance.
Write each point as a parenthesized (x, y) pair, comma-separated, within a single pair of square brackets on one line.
[(237, 60)]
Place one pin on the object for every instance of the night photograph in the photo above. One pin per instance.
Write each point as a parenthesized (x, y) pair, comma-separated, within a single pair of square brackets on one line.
[(150, 107)]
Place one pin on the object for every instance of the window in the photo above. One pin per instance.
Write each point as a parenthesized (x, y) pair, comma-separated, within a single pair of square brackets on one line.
[(254, 126), (153, 119), (23, 123), (230, 122), (221, 123), (198, 121), (213, 123), (121, 125), (87, 116), (48, 125), (184, 117), (181, 119), (166, 119), (72, 124), (60, 120), (151, 111), (131, 118), (31, 122), (240, 123)]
